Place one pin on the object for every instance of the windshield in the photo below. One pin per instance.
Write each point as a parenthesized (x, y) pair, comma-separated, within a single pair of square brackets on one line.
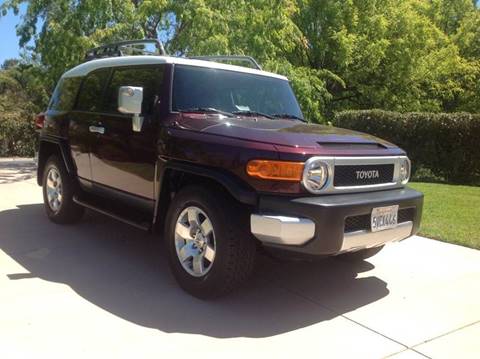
[(233, 92)]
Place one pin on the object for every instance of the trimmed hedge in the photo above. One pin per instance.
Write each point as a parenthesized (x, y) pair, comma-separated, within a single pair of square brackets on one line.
[(446, 144)]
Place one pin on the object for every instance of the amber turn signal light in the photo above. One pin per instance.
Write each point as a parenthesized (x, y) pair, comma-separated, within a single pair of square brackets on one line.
[(275, 170)]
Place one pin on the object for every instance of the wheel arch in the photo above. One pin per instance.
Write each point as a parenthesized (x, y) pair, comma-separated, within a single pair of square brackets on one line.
[(175, 175), (49, 147)]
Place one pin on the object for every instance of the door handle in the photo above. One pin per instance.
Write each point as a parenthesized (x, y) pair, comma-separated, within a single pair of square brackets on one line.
[(97, 129)]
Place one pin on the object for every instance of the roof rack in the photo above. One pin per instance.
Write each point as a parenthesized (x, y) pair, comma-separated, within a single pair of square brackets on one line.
[(125, 48), (239, 58)]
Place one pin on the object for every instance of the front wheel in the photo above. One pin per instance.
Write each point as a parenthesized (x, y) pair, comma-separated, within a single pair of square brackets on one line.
[(210, 249)]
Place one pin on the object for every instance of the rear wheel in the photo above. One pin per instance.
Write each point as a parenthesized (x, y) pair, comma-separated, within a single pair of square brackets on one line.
[(58, 191), (361, 254), (210, 249)]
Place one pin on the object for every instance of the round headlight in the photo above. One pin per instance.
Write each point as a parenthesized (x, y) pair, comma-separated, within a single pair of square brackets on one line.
[(315, 175), (404, 170)]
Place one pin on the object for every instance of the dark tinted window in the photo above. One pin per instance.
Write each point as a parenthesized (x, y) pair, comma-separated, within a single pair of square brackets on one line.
[(91, 94), (65, 94), (149, 78), (232, 91)]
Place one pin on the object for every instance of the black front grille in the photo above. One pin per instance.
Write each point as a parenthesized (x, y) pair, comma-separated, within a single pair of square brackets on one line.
[(357, 223), (406, 214), (362, 222), (362, 175)]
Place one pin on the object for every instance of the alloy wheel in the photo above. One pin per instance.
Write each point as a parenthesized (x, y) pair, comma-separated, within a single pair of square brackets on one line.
[(195, 241), (54, 189)]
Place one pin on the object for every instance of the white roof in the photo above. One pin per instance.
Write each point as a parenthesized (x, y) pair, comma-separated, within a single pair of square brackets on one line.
[(87, 67)]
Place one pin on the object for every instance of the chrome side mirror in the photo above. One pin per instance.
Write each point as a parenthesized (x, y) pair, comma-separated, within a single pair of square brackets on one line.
[(130, 102)]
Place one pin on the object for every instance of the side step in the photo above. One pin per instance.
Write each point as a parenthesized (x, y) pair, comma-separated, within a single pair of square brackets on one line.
[(108, 212)]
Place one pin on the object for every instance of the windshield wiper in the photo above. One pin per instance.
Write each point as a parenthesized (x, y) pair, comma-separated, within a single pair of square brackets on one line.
[(287, 115), (205, 110), (252, 113)]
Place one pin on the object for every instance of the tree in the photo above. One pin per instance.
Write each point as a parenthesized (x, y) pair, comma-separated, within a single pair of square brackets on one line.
[(402, 55), (467, 36), (389, 54), (448, 14), (21, 96)]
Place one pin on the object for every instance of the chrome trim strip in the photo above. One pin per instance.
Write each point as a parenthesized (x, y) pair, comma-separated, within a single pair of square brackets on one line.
[(331, 162), (354, 241), (281, 229)]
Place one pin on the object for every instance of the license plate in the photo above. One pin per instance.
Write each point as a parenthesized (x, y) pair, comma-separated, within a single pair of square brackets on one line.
[(384, 218)]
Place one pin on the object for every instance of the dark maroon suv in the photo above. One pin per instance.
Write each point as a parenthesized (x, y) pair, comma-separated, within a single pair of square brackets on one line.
[(219, 159)]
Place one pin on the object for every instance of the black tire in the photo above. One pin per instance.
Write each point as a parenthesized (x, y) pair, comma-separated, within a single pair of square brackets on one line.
[(67, 211), (235, 248), (360, 255)]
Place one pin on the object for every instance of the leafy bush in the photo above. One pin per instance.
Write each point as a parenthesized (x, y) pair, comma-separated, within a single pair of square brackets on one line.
[(17, 136), (22, 94), (446, 144)]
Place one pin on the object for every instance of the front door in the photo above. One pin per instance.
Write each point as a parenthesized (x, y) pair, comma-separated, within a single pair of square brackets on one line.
[(122, 159), (83, 119)]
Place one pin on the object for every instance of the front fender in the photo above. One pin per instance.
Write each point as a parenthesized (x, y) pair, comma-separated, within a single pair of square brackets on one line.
[(239, 190)]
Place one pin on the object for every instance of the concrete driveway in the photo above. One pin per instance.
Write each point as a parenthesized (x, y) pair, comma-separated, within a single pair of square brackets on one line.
[(101, 289)]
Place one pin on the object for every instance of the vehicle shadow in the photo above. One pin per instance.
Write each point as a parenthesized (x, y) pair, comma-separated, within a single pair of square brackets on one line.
[(119, 269)]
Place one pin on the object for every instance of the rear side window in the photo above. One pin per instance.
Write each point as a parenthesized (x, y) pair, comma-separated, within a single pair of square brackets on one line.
[(150, 78), (65, 93), (91, 94)]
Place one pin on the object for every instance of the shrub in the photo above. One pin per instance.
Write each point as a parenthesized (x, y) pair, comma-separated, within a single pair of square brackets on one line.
[(17, 135), (21, 96), (446, 144)]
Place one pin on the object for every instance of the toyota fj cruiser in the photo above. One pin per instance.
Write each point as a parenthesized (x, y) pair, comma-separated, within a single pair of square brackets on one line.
[(219, 158)]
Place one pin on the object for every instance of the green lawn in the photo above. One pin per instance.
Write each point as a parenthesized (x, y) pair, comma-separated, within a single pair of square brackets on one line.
[(451, 213)]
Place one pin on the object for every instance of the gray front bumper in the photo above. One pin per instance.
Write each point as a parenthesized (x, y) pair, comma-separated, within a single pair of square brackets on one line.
[(316, 225), (290, 231)]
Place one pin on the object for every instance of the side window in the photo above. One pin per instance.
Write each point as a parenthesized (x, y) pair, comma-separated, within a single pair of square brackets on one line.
[(149, 78), (63, 97), (53, 105), (91, 93)]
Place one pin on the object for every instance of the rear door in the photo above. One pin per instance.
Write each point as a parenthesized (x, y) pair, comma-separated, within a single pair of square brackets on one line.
[(122, 159)]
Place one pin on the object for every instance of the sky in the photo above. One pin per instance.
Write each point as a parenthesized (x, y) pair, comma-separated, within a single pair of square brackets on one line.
[(8, 35)]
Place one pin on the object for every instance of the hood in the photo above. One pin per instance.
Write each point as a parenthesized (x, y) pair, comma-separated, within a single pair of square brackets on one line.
[(282, 132)]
